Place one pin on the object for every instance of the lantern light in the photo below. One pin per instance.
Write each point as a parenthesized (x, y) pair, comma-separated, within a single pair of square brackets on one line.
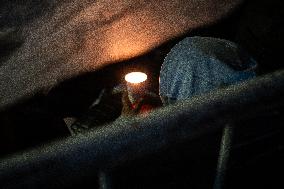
[(136, 85), (136, 77)]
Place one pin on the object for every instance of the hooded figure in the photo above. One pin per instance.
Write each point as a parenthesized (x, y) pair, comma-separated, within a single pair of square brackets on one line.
[(197, 65)]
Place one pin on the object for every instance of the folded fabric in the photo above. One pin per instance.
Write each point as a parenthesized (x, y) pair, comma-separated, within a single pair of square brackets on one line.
[(197, 65)]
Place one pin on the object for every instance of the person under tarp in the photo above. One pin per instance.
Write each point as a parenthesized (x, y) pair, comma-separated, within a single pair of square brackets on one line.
[(197, 65)]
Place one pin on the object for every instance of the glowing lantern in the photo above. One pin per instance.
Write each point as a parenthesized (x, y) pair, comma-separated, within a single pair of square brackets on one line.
[(136, 85)]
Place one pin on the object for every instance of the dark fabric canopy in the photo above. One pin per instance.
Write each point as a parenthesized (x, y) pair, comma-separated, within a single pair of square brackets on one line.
[(62, 39)]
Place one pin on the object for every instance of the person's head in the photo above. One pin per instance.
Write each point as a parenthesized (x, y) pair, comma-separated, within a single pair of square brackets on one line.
[(197, 65)]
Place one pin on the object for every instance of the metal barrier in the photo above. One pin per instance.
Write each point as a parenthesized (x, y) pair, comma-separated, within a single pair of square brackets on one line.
[(59, 163)]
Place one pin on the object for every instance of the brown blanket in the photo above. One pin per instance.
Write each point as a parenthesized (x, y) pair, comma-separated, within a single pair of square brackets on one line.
[(72, 37)]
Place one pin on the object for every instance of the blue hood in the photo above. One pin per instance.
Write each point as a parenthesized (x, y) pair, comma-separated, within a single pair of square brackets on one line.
[(198, 65)]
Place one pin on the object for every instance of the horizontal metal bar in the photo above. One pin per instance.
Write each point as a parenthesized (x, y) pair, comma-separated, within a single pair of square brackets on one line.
[(63, 162)]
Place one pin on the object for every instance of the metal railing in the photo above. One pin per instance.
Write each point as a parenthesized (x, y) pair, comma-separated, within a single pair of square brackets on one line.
[(59, 163)]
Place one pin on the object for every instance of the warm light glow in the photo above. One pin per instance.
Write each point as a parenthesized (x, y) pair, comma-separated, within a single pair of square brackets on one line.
[(136, 77)]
